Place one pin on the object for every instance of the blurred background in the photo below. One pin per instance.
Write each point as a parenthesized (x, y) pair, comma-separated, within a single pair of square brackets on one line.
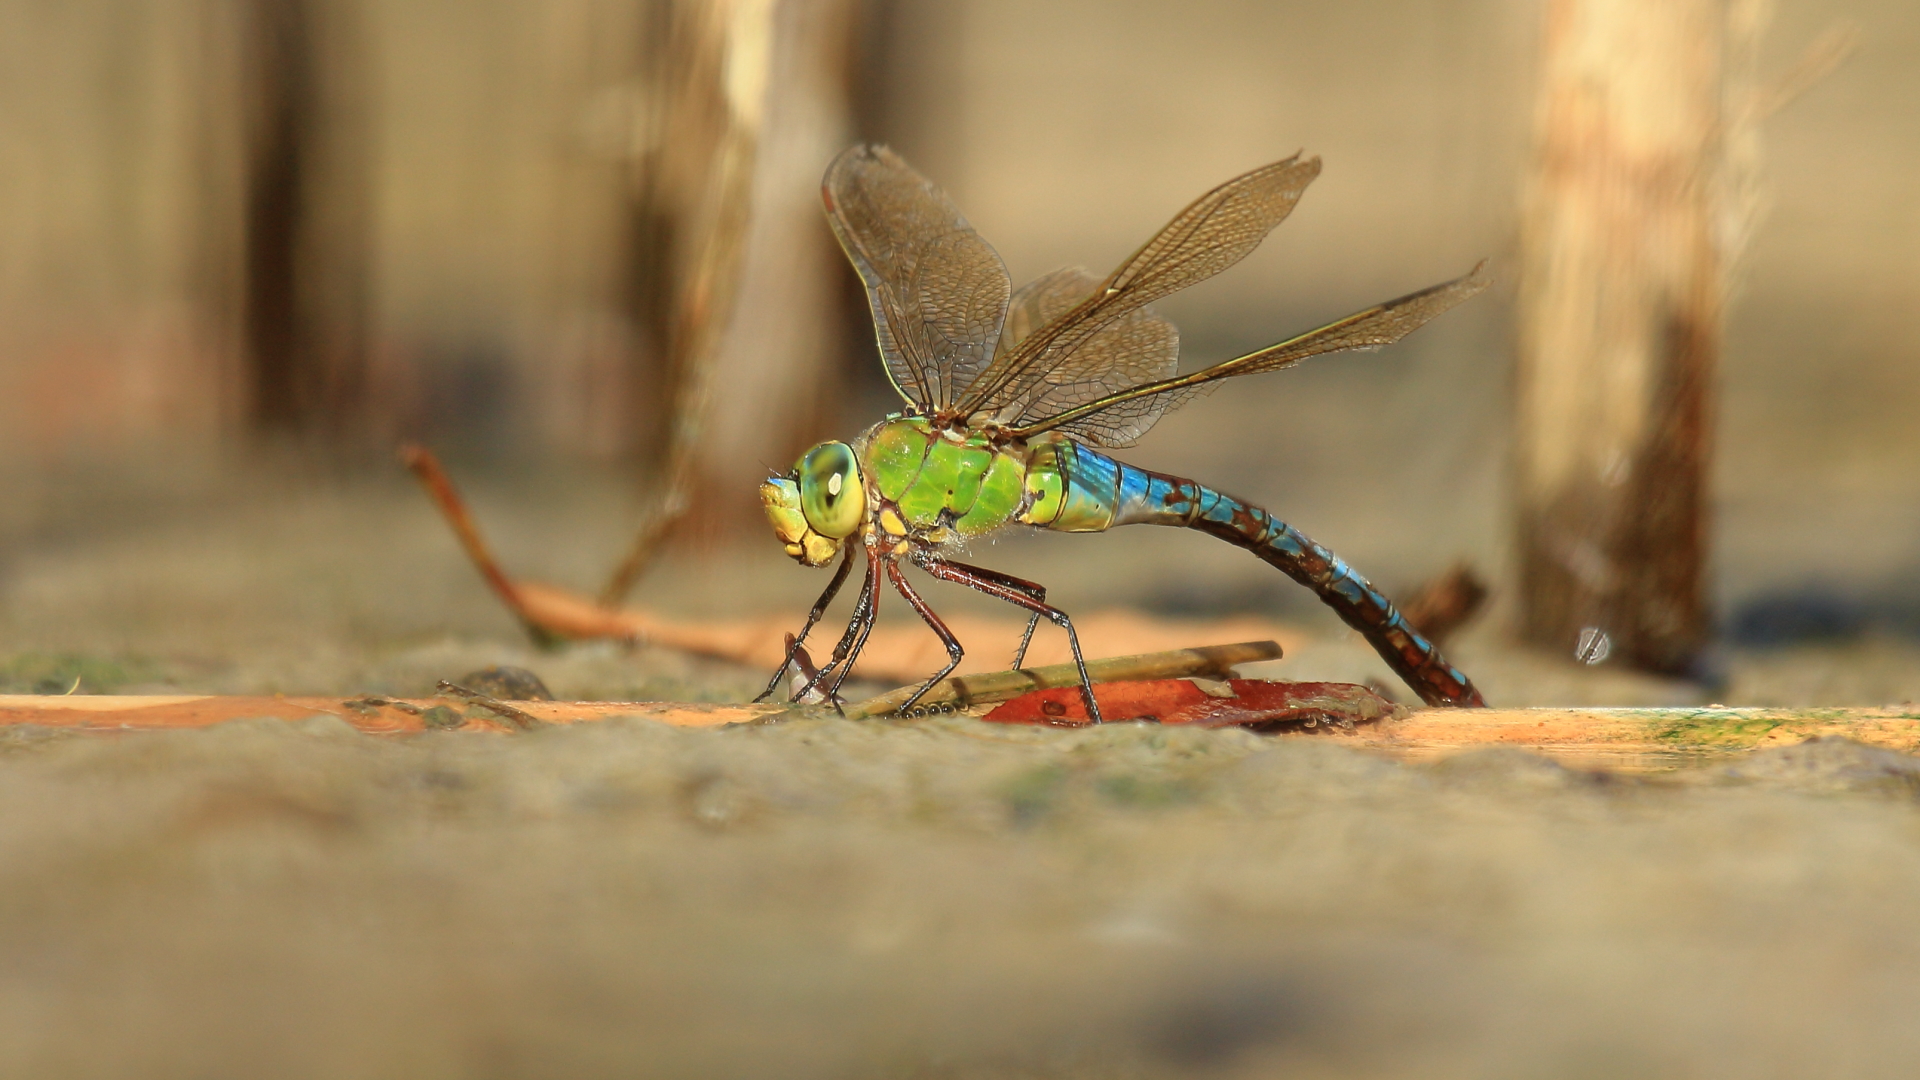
[(248, 246)]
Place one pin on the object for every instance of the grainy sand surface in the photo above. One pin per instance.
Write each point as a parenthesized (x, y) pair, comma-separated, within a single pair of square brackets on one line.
[(942, 899)]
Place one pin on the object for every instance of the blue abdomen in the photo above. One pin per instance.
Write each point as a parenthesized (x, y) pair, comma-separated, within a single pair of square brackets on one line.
[(1102, 492)]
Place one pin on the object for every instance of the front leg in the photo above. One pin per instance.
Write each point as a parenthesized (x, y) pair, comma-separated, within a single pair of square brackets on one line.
[(813, 617), (943, 570), (864, 617), (864, 612)]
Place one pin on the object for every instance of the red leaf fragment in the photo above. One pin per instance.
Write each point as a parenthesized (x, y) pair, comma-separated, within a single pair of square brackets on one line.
[(1259, 704)]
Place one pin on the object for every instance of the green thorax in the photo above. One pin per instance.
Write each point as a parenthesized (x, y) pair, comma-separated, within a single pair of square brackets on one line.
[(939, 479)]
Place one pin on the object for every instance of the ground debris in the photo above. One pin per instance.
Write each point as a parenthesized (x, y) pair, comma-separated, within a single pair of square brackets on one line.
[(1258, 704)]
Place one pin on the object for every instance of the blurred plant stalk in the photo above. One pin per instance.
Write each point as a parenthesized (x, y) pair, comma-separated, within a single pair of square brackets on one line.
[(1644, 192), (304, 240), (1641, 194), (738, 102), (703, 101), (1620, 327)]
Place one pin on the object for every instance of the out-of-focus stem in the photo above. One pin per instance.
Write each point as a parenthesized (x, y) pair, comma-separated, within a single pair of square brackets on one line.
[(742, 33)]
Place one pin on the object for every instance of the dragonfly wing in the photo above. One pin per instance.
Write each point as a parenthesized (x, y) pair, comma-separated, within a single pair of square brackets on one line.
[(938, 291), (1041, 301), (1124, 422), (1136, 348), (1382, 324), (1217, 230)]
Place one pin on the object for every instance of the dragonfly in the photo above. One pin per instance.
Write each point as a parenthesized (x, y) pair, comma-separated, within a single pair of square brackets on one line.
[(1013, 396)]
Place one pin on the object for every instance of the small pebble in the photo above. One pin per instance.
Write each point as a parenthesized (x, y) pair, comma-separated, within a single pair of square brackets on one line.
[(506, 684)]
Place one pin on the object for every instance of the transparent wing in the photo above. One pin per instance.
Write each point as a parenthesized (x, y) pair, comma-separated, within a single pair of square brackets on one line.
[(1041, 301), (938, 291), (1219, 229), (1138, 347), (1382, 324), (1123, 422)]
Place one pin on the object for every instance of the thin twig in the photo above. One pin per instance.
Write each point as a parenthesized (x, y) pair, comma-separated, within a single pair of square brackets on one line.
[(647, 540), (1834, 47), (387, 703), (440, 488), (524, 720), (550, 614)]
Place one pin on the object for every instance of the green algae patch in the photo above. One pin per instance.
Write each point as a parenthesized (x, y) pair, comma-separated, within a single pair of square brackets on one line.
[(1147, 792), (1746, 729), (1721, 728), (1034, 793), (61, 673)]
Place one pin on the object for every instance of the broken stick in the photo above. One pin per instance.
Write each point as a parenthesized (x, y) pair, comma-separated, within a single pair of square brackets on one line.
[(949, 695)]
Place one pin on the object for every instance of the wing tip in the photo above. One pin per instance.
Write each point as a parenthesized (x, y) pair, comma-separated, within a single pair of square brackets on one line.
[(1296, 160), (855, 156), (1459, 290), (859, 153)]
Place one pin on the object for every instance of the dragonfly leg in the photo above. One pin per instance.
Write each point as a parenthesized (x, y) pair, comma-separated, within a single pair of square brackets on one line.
[(943, 570), (1032, 589), (863, 611), (939, 627), (863, 619), (813, 618)]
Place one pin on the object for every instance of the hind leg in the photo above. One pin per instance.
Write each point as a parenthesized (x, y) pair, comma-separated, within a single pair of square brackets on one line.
[(959, 574)]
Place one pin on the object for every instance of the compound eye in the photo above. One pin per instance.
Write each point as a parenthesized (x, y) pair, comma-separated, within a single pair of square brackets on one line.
[(831, 494)]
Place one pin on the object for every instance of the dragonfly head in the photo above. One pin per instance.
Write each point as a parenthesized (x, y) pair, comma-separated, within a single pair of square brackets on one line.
[(817, 506)]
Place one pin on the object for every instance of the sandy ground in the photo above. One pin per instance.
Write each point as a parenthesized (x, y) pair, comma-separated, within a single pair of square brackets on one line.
[(847, 900), (836, 899)]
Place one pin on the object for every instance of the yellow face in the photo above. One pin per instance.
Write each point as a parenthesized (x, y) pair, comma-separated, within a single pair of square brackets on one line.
[(818, 505)]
